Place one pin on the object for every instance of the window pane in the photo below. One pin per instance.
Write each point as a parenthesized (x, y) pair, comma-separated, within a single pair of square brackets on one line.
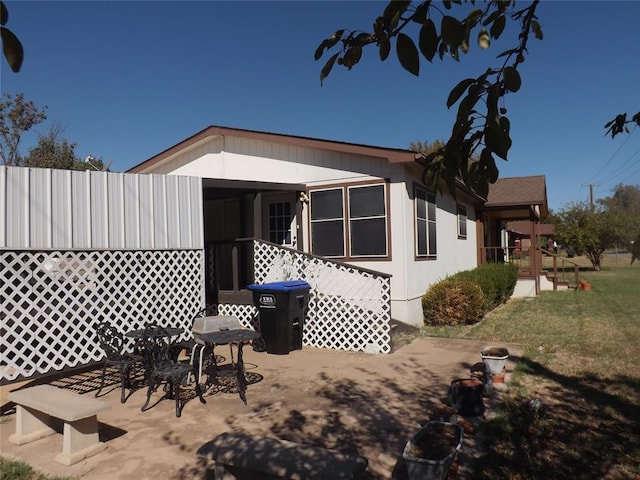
[(432, 239), (463, 227), (432, 207), (366, 201), (327, 238), (422, 237), (326, 204), (462, 221), (421, 207), (368, 237)]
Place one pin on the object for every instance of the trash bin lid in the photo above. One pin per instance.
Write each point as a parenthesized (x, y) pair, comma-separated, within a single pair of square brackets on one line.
[(283, 286)]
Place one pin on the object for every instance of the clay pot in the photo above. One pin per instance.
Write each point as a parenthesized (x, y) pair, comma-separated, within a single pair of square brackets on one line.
[(584, 285)]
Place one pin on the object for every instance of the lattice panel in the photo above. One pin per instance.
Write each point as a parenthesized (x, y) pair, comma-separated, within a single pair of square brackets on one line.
[(247, 314), (349, 309), (51, 302)]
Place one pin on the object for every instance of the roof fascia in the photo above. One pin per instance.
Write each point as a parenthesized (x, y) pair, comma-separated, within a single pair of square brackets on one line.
[(392, 155)]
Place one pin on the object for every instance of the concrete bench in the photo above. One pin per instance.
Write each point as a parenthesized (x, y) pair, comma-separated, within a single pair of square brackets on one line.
[(36, 407), (244, 455)]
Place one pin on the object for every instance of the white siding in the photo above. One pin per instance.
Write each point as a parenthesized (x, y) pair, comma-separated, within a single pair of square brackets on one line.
[(44, 209), (236, 158), (255, 160)]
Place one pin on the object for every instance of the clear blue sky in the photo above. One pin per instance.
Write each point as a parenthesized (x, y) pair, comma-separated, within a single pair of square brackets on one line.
[(129, 79)]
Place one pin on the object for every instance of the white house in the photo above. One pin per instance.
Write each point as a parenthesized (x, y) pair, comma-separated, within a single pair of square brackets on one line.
[(362, 205), (195, 224)]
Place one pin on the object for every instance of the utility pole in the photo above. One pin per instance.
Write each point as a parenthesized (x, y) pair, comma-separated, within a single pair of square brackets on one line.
[(591, 185)]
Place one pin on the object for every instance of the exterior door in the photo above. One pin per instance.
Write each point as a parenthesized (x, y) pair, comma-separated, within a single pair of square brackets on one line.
[(279, 216)]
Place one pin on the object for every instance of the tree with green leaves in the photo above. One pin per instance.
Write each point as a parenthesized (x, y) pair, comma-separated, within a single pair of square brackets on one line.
[(426, 147), (11, 46), (590, 230), (625, 202), (53, 151), (481, 130), (17, 116)]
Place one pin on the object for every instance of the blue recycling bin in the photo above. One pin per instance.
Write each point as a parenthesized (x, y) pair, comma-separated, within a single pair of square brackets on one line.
[(282, 307)]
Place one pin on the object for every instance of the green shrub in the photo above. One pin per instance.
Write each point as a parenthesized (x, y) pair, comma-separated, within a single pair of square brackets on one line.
[(497, 281), (453, 301), (465, 297)]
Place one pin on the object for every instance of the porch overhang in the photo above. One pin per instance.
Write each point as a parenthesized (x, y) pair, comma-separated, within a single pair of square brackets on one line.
[(217, 188)]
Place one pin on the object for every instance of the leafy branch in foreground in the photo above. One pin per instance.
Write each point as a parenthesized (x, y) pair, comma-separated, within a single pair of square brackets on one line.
[(11, 46), (619, 124), (481, 129)]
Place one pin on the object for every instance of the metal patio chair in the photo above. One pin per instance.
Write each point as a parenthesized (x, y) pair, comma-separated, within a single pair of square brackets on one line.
[(163, 368), (112, 343)]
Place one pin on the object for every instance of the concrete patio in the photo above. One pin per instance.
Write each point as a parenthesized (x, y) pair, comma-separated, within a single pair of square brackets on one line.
[(348, 401)]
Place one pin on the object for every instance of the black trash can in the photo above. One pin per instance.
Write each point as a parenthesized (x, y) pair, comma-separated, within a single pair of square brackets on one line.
[(282, 307)]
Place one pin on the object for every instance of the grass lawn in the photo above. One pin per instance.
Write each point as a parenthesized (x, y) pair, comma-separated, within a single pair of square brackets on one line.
[(574, 411), (14, 470)]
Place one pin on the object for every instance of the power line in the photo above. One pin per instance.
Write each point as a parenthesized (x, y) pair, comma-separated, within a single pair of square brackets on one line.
[(619, 170), (615, 153)]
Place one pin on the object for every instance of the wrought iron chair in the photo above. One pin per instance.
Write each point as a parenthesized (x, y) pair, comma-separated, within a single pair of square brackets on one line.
[(164, 368), (112, 343)]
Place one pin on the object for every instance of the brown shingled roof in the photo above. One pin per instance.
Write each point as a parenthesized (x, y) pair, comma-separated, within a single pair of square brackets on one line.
[(518, 191)]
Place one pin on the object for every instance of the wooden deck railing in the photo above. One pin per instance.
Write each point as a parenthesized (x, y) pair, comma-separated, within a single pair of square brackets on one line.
[(514, 255), (561, 268)]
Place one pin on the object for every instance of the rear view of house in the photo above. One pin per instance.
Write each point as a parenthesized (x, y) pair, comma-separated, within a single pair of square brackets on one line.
[(361, 205)]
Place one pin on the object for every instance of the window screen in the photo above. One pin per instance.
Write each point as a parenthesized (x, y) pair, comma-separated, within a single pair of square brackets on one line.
[(462, 221), (426, 232), (327, 222), (367, 221)]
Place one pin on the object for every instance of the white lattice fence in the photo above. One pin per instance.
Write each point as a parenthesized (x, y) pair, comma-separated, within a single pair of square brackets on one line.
[(349, 308), (52, 300)]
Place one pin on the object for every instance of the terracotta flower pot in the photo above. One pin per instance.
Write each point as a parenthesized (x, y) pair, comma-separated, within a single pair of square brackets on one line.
[(584, 285)]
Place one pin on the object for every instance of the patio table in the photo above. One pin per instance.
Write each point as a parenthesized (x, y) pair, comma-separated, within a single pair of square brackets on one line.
[(140, 335), (231, 337)]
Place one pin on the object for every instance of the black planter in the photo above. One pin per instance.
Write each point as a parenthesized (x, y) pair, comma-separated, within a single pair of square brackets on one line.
[(465, 395)]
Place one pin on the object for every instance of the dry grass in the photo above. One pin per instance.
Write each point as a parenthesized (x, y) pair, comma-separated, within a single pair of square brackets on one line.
[(574, 410)]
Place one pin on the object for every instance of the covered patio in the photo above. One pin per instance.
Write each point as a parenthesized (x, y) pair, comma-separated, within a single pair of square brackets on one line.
[(348, 401)]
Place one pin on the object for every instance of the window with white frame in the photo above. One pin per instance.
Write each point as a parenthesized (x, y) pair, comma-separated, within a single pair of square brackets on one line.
[(349, 221), (280, 222), (462, 221), (425, 215)]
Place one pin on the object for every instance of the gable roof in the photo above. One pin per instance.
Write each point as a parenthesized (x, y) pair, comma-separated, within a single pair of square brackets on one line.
[(392, 155), (518, 192)]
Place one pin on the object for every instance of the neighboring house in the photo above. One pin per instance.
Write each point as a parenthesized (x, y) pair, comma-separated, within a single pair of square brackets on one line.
[(362, 205), (522, 199), (520, 234)]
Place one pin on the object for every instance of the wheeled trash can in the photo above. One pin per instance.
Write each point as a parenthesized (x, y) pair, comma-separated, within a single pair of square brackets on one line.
[(282, 307)]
